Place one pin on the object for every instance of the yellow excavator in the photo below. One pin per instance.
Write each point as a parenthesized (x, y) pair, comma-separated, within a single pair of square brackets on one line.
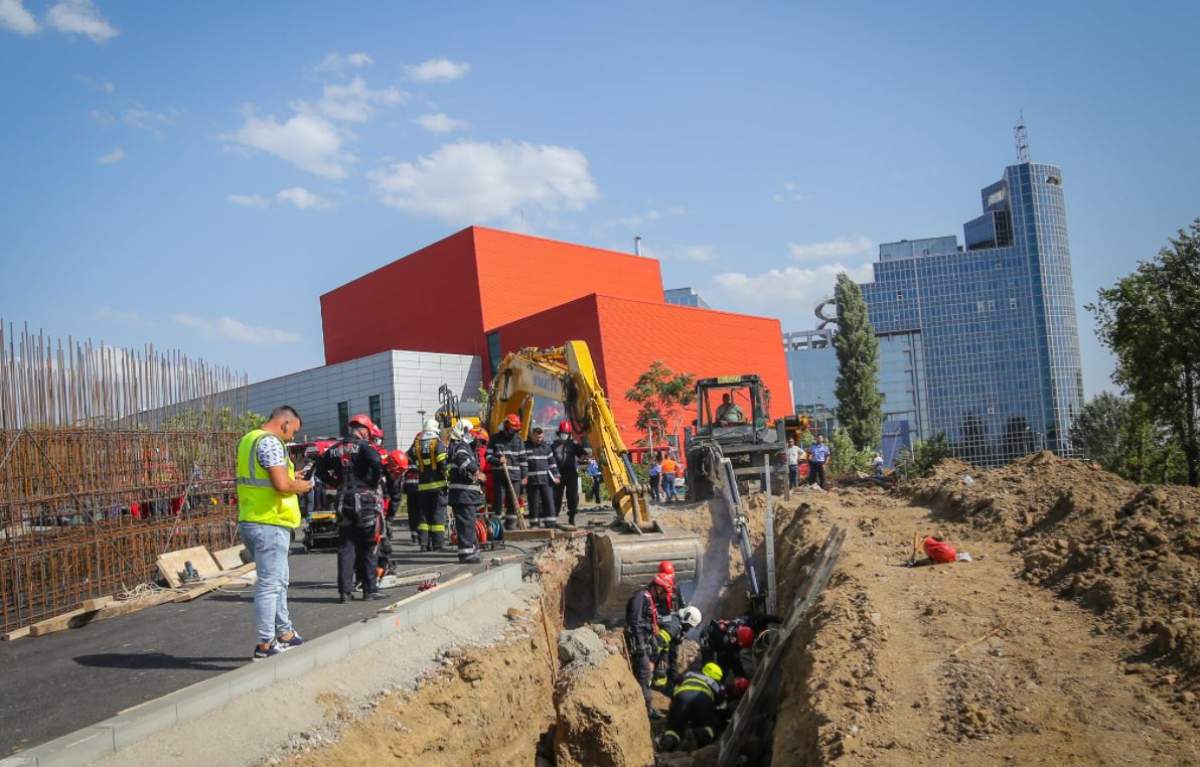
[(547, 386)]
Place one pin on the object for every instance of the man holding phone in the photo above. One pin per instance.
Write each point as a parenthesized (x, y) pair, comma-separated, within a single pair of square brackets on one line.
[(268, 511)]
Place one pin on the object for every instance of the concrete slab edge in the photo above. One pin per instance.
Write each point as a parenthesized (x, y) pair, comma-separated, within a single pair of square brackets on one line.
[(90, 743)]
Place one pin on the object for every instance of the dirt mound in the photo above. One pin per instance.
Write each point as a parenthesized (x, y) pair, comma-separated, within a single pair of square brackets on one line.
[(1128, 552), (601, 717)]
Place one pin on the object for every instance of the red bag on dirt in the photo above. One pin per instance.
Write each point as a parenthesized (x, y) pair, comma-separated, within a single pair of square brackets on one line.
[(939, 551)]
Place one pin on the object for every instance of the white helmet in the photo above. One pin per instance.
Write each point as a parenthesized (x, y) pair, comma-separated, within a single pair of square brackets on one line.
[(462, 429), (690, 616), (431, 427)]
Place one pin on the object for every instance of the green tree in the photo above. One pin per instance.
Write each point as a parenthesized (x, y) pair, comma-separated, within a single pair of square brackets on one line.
[(659, 393), (1148, 319), (860, 405), (844, 458), (1103, 432)]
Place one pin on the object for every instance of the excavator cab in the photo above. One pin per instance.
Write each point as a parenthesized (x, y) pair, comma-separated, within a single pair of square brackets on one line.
[(732, 421)]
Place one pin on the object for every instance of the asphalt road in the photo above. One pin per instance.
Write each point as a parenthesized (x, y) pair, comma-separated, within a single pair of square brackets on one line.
[(55, 684)]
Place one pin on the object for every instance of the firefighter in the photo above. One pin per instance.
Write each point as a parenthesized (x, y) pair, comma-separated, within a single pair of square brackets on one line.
[(672, 628), (543, 477), (506, 454), (465, 495), (567, 453), (429, 455), (641, 632), (412, 500), (354, 468), (481, 450), (672, 598), (697, 705)]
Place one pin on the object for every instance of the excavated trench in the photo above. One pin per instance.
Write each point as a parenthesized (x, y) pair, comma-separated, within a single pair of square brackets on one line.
[(558, 691)]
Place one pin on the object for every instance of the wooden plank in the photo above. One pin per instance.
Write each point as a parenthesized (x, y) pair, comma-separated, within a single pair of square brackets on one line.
[(421, 594), (225, 579), (129, 606), (97, 604), (16, 634), (532, 534), (230, 558), (172, 563)]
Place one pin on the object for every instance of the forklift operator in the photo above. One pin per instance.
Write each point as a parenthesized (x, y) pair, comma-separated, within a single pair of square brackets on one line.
[(729, 414)]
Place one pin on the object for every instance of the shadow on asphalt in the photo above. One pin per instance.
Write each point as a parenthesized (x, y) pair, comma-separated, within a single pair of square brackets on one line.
[(157, 660)]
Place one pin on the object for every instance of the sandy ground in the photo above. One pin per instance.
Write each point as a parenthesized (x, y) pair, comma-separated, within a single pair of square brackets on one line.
[(293, 715), (963, 664)]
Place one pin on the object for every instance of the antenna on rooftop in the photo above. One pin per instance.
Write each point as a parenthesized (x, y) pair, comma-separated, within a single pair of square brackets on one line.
[(1021, 137)]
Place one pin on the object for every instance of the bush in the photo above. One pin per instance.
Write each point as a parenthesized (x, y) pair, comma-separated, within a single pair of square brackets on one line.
[(924, 456), (844, 459)]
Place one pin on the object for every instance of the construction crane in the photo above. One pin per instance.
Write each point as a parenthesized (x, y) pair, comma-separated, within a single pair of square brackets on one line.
[(546, 386)]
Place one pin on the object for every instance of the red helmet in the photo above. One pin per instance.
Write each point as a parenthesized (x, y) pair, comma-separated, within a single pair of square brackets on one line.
[(363, 420), (740, 685), (400, 458), (666, 567), (513, 420), (564, 427), (376, 432), (664, 580), (745, 636), (481, 434)]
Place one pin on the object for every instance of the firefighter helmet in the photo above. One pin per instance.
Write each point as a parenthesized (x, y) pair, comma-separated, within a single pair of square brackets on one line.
[(740, 685), (712, 671), (462, 429), (667, 567), (431, 427), (513, 420), (363, 420), (745, 636), (481, 434), (690, 616), (564, 427), (400, 459)]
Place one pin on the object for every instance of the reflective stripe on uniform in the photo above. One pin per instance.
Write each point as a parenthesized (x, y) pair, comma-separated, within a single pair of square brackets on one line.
[(436, 485), (437, 528), (423, 527), (459, 486), (692, 685)]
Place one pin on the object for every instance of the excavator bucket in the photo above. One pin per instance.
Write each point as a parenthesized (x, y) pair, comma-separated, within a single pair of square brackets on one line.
[(623, 562)]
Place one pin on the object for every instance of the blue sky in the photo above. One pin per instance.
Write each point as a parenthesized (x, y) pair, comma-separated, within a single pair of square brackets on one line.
[(195, 175)]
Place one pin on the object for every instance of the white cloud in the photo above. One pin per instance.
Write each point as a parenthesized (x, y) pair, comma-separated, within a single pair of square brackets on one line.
[(335, 62), (438, 70), (229, 329), (112, 158), (791, 193), (108, 87), (308, 141), (474, 181), (104, 118), (80, 17), (147, 119), (117, 315), (441, 123), (353, 102), (841, 247), (302, 198), (15, 18), (790, 293), (248, 200)]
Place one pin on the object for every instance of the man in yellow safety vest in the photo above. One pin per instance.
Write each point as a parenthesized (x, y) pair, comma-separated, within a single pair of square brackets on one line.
[(268, 512)]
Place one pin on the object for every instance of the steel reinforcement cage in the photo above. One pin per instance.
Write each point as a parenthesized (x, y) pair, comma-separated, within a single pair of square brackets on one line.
[(85, 513)]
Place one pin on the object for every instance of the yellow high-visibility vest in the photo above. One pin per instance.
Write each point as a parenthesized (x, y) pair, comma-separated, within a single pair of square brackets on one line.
[(258, 500)]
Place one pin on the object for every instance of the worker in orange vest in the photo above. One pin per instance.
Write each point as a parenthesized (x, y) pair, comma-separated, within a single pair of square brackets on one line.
[(668, 470)]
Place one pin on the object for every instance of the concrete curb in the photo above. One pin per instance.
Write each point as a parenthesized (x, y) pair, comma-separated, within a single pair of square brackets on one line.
[(118, 732)]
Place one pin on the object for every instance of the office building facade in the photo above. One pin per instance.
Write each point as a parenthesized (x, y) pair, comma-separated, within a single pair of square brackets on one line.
[(992, 324)]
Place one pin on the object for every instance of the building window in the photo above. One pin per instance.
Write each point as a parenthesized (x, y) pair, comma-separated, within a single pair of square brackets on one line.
[(343, 417), (493, 348), (376, 410)]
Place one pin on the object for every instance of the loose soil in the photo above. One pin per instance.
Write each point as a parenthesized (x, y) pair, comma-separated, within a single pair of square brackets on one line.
[(965, 664)]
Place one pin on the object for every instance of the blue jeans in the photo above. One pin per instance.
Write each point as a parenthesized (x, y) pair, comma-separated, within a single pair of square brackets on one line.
[(668, 483), (269, 545)]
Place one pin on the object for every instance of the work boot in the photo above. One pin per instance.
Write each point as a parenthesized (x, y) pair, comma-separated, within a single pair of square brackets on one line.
[(471, 559), (571, 519), (344, 597)]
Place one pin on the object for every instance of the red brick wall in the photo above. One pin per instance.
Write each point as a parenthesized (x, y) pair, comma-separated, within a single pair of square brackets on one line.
[(405, 305)]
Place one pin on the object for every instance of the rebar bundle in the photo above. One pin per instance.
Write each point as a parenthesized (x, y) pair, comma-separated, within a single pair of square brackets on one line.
[(44, 382), (98, 476)]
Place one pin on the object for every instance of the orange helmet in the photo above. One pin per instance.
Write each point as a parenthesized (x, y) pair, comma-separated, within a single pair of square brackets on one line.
[(363, 420), (400, 458), (481, 434), (513, 420)]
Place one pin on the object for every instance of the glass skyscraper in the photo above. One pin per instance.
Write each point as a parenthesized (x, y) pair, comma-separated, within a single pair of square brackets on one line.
[(992, 324)]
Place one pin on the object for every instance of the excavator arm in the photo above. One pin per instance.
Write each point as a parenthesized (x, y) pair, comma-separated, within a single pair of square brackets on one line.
[(530, 380)]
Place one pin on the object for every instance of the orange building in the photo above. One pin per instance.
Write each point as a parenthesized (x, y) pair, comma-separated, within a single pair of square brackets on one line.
[(539, 292)]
